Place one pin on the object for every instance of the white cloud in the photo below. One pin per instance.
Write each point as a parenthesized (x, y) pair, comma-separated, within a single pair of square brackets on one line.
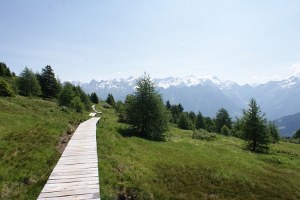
[(296, 69)]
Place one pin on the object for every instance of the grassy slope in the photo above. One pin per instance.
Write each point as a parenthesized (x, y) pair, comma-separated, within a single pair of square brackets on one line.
[(182, 168), (29, 134)]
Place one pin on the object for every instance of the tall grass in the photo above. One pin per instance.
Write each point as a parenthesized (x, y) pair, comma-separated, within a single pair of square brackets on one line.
[(30, 129), (186, 168)]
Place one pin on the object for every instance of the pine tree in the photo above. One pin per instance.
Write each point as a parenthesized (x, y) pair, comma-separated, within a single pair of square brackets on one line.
[(273, 132), (146, 111), (200, 122), (28, 83), (254, 127), (184, 121), (66, 95), (49, 84), (110, 100), (222, 118), (168, 105), (94, 98), (4, 70)]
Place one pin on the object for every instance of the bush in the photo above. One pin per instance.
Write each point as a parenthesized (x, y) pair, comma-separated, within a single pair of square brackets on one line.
[(107, 106), (225, 130), (203, 135), (5, 90), (64, 108), (77, 104)]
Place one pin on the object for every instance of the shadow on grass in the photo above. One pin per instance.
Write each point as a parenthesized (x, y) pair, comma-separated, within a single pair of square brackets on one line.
[(128, 132), (132, 132)]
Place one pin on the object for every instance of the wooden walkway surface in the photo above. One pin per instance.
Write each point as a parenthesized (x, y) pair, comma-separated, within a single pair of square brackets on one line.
[(76, 173)]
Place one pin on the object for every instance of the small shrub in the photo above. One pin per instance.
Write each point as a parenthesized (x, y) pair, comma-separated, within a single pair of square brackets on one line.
[(225, 130), (107, 106), (203, 135), (77, 104), (5, 90), (64, 108)]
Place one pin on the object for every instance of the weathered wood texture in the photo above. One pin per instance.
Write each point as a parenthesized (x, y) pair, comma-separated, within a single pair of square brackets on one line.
[(76, 173)]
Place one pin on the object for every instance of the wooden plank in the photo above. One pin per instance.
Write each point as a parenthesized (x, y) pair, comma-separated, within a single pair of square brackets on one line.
[(76, 174)]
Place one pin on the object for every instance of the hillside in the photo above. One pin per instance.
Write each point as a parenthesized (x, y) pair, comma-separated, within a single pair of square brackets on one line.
[(32, 134), (288, 124), (183, 168)]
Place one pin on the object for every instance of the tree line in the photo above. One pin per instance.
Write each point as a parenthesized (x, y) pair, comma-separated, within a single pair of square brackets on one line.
[(44, 84)]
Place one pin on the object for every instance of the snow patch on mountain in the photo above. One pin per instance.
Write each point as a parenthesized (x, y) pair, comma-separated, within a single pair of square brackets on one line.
[(289, 83)]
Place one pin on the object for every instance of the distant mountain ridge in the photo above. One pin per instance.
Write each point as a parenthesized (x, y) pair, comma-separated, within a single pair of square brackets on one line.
[(208, 93), (288, 125)]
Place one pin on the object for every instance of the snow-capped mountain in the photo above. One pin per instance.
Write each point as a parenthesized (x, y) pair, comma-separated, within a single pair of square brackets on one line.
[(208, 93)]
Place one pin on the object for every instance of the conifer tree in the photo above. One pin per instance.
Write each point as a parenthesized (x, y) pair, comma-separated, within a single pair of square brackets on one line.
[(168, 105), (146, 111), (184, 121), (200, 122), (110, 100), (222, 118), (49, 84), (273, 132), (94, 98), (254, 127)]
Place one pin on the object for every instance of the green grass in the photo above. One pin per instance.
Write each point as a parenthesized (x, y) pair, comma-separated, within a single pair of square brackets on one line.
[(183, 168), (30, 129)]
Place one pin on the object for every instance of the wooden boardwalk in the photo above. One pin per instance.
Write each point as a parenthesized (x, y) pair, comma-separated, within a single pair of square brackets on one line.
[(76, 173)]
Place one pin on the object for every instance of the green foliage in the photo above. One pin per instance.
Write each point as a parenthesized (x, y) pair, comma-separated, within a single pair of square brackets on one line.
[(222, 118), (203, 135), (66, 95), (146, 111), (255, 129), (120, 108), (200, 121), (4, 70), (77, 104), (273, 132), (176, 110), (49, 85), (225, 130), (5, 90), (94, 98), (237, 128), (28, 83), (73, 97), (184, 122), (84, 98), (110, 100), (297, 134), (210, 124)]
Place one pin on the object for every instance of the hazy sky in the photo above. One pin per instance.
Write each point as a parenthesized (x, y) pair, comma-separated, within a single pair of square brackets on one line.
[(245, 41)]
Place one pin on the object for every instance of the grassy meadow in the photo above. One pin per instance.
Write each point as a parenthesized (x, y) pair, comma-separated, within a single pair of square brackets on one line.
[(31, 130), (186, 168)]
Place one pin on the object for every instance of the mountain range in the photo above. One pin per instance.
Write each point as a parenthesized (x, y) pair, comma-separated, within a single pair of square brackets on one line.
[(288, 125), (208, 94)]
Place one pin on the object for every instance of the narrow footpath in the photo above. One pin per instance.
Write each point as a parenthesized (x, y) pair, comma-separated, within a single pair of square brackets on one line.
[(76, 174)]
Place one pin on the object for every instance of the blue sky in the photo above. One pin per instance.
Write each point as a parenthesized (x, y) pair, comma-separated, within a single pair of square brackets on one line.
[(245, 41)]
